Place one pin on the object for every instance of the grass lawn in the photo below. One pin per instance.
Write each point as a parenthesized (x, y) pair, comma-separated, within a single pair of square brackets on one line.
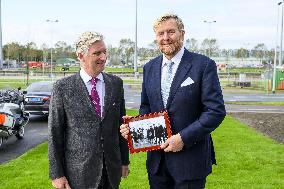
[(15, 83), (122, 70), (246, 159), (129, 81)]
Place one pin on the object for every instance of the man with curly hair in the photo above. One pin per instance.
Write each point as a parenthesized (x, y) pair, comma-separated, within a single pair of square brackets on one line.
[(85, 148)]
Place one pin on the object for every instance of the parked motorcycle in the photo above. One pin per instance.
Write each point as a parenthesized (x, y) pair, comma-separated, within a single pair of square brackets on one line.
[(13, 118)]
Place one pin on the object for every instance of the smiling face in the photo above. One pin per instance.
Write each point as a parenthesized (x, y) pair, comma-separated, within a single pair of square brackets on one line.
[(93, 62), (169, 37)]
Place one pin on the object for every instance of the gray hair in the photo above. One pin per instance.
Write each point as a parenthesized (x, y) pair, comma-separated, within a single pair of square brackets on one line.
[(168, 16), (86, 40)]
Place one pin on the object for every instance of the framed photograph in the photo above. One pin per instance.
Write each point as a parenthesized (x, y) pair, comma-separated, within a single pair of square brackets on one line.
[(148, 132)]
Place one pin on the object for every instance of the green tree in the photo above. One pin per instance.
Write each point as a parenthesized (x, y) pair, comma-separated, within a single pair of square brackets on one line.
[(192, 45), (126, 51), (60, 50), (12, 51), (30, 52), (44, 49), (242, 53), (113, 55), (260, 51), (209, 47), (154, 49)]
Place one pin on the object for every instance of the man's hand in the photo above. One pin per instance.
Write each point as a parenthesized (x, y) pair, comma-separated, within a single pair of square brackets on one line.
[(60, 183), (125, 171), (124, 128), (173, 144)]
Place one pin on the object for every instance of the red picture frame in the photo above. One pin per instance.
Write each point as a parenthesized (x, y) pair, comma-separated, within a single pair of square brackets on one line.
[(148, 131)]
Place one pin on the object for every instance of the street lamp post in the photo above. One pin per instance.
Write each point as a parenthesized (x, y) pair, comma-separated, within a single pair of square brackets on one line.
[(209, 22), (1, 51), (135, 50), (51, 68), (275, 50), (281, 33)]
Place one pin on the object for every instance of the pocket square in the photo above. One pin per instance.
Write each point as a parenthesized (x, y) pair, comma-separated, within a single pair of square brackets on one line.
[(113, 104), (187, 82)]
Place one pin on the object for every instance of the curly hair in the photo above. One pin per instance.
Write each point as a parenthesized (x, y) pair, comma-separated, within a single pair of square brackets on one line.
[(86, 40), (168, 16)]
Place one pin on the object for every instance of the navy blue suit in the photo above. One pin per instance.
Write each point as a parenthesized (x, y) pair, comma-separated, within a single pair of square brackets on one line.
[(194, 110)]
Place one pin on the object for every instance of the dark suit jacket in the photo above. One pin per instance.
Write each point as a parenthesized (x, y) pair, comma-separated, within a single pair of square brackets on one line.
[(78, 137), (194, 110)]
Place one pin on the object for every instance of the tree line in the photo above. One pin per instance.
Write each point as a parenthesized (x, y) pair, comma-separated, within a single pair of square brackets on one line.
[(124, 53), (30, 52)]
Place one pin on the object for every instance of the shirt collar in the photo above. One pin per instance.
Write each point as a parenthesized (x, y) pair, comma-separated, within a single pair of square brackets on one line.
[(86, 78), (176, 59)]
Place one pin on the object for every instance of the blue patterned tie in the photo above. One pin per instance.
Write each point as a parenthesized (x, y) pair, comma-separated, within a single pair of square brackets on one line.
[(166, 83), (95, 96)]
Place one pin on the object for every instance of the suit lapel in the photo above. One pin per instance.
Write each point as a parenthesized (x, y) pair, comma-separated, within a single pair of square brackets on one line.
[(180, 75), (156, 79), (84, 95), (108, 93)]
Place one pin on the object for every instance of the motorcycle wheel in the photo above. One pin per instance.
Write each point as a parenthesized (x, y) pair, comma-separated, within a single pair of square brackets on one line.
[(1, 141), (20, 134)]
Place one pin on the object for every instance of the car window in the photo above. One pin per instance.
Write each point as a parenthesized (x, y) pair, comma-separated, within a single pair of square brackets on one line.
[(40, 87)]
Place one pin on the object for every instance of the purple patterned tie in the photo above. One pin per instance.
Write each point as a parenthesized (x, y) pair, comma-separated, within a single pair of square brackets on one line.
[(95, 96)]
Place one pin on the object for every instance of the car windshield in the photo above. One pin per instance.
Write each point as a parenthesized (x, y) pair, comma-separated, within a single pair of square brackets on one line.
[(40, 87)]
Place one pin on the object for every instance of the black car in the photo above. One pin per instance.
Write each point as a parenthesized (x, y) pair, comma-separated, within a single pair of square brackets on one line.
[(37, 97)]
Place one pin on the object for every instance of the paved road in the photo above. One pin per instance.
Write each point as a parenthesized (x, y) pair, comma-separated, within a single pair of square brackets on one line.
[(35, 133), (254, 108), (254, 97)]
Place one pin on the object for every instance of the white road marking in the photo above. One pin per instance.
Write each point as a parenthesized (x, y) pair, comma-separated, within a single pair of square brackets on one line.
[(130, 102)]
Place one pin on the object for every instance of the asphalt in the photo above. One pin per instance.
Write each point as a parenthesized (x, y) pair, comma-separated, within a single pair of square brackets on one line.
[(233, 108), (35, 134)]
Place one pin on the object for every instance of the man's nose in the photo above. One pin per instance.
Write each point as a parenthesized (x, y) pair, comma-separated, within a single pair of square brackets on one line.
[(103, 56), (165, 36)]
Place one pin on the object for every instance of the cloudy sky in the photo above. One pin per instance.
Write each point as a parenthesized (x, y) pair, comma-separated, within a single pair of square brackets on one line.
[(239, 23)]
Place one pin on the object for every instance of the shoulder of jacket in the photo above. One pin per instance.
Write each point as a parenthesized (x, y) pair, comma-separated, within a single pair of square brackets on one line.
[(66, 80), (201, 57), (202, 60), (113, 78), (153, 61)]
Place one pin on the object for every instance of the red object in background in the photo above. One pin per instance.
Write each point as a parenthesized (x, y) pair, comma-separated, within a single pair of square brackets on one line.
[(34, 64), (280, 85)]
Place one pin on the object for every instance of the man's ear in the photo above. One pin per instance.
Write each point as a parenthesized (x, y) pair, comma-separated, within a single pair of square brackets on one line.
[(182, 34), (80, 56)]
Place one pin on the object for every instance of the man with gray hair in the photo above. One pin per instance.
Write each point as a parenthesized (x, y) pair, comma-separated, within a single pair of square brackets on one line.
[(85, 148)]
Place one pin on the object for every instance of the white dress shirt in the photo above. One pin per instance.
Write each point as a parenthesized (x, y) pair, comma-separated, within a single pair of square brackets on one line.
[(100, 86), (176, 59)]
